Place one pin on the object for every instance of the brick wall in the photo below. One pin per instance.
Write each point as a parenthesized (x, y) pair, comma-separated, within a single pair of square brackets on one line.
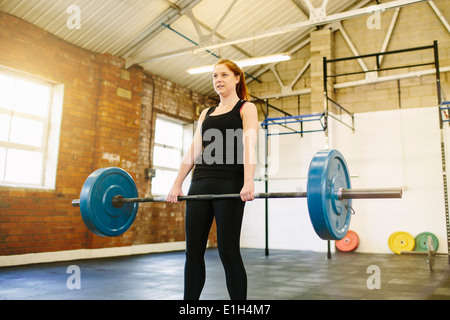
[(33, 220), (416, 26), (162, 222), (107, 121), (322, 45)]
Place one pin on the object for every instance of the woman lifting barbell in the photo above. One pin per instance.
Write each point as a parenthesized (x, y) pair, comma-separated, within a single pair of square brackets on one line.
[(221, 166)]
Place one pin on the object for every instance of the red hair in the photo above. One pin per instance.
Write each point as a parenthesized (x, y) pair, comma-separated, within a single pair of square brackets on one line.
[(241, 87)]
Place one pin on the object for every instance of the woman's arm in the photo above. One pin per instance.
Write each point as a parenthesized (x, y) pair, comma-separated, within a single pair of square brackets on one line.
[(249, 116)]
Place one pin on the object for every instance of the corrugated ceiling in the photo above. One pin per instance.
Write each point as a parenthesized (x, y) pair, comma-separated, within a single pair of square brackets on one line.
[(134, 29)]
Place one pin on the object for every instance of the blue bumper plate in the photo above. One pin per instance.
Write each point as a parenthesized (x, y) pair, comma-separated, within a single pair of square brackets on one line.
[(97, 211), (330, 217)]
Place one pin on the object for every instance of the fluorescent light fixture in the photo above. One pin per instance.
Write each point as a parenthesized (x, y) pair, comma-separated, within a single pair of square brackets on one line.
[(199, 70), (245, 63)]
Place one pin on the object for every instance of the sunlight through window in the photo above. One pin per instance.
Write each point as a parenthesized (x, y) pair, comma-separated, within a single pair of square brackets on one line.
[(170, 140), (24, 125)]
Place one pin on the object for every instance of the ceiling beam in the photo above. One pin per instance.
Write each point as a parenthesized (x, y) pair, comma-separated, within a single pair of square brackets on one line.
[(280, 30), (440, 15), (301, 8), (305, 40), (171, 15)]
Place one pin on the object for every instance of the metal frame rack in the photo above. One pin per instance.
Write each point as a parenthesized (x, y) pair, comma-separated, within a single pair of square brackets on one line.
[(322, 118), (444, 106), (285, 121)]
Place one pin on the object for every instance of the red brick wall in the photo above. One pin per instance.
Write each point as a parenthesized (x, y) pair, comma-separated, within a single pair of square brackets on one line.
[(33, 220), (107, 121), (162, 222)]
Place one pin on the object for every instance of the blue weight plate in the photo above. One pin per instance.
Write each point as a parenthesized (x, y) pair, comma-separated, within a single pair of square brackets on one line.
[(327, 173), (97, 211)]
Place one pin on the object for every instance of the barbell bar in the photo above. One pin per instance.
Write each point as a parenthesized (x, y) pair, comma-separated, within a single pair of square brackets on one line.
[(109, 199), (430, 253), (341, 194)]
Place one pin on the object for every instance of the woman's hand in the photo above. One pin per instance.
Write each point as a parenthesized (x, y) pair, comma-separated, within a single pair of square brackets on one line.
[(248, 191), (175, 191)]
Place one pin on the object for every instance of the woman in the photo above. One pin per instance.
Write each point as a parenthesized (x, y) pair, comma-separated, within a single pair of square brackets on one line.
[(223, 151)]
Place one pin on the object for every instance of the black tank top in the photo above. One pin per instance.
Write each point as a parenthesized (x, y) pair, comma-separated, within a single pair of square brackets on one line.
[(223, 152)]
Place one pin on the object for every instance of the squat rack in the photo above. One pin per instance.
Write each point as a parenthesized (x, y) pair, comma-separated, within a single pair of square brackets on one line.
[(285, 121), (443, 106), (322, 118)]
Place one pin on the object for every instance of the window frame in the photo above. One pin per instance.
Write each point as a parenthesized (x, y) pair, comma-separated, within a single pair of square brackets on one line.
[(51, 127), (185, 128)]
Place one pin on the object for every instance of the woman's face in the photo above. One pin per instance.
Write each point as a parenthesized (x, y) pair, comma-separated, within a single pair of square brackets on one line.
[(224, 80)]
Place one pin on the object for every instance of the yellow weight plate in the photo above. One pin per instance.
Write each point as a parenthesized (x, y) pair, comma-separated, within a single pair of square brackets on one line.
[(401, 241), (390, 239)]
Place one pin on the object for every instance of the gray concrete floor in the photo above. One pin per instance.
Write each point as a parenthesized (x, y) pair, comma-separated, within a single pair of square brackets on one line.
[(283, 275)]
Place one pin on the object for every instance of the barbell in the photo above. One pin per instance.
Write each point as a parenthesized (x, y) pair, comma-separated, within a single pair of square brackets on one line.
[(109, 198), (427, 248)]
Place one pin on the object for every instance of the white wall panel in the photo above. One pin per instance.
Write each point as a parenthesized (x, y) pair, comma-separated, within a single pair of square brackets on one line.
[(398, 148)]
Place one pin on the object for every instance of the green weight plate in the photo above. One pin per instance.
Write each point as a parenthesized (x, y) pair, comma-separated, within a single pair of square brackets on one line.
[(421, 241), (327, 173), (97, 211)]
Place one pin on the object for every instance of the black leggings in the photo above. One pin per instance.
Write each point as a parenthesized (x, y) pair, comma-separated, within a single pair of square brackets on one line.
[(199, 216)]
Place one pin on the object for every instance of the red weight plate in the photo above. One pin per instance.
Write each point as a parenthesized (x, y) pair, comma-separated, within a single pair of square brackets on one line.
[(349, 243)]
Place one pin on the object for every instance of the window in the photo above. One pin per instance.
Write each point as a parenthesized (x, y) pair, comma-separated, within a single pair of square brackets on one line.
[(29, 128), (172, 138)]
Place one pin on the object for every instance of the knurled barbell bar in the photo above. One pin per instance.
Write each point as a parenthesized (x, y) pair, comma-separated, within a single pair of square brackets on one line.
[(109, 198), (341, 194)]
